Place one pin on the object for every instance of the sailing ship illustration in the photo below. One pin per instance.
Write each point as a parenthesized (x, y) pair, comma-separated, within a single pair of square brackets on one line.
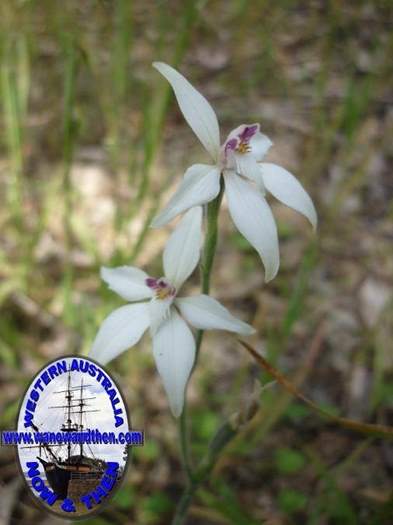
[(63, 465)]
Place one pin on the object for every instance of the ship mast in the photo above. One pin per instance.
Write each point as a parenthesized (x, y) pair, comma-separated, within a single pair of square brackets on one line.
[(73, 406), (81, 405), (68, 427)]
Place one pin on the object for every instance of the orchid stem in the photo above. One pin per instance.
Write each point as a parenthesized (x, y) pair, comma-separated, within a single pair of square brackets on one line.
[(184, 504), (183, 433), (224, 435), (209, 252)]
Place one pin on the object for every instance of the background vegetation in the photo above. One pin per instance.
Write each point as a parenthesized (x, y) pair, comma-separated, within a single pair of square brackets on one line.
[(92, 143)]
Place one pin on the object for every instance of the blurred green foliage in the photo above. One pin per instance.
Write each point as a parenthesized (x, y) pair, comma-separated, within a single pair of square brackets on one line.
[(289, 461), (291, 500)]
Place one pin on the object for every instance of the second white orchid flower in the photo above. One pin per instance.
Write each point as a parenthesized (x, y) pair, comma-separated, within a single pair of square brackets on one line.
[(164, 312), (238, 160)]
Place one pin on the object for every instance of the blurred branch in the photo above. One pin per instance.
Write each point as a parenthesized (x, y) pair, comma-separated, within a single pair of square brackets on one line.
[(357, 426)]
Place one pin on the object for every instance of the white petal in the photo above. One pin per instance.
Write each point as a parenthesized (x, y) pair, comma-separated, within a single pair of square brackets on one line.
[(201, 184), (287, 189), (196, 109), (182, 251), (127, 281), (174, 353), (159, 310), (260, 144), (120, 330), (253, 218), (205, 313), (247, 166)]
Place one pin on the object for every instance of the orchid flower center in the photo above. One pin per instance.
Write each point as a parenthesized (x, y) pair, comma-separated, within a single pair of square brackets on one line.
[(241, 143), (162, 288)]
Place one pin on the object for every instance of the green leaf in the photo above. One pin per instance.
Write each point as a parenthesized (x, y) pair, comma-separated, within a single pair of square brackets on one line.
[(124, 498), (289, 461), (291, 500), (157, 504), (207, 424), (149, 452), (297, 412), (227, 504)]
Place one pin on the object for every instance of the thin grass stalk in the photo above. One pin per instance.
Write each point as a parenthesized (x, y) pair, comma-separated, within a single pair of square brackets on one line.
[(69, 139), (121, 80), (13, 130)]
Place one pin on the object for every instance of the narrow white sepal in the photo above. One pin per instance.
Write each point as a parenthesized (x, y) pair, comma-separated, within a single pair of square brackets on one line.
[(205, 313), (201, 184), (174, 353), (253, 218), (182, 251), (120, 330), (127, 281), (287, 189), (197, 111), (159, 311)]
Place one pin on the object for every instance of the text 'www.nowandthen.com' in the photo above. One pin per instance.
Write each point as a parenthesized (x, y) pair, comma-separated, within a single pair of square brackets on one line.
[(90, 437)]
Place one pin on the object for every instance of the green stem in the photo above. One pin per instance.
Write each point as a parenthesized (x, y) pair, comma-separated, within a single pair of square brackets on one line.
[(183, 434), (184, 504), (209, 251), (223, 436)]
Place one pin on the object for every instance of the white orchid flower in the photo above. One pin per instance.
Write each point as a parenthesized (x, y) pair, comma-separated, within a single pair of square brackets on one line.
[(164, 312), (239, 161)]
